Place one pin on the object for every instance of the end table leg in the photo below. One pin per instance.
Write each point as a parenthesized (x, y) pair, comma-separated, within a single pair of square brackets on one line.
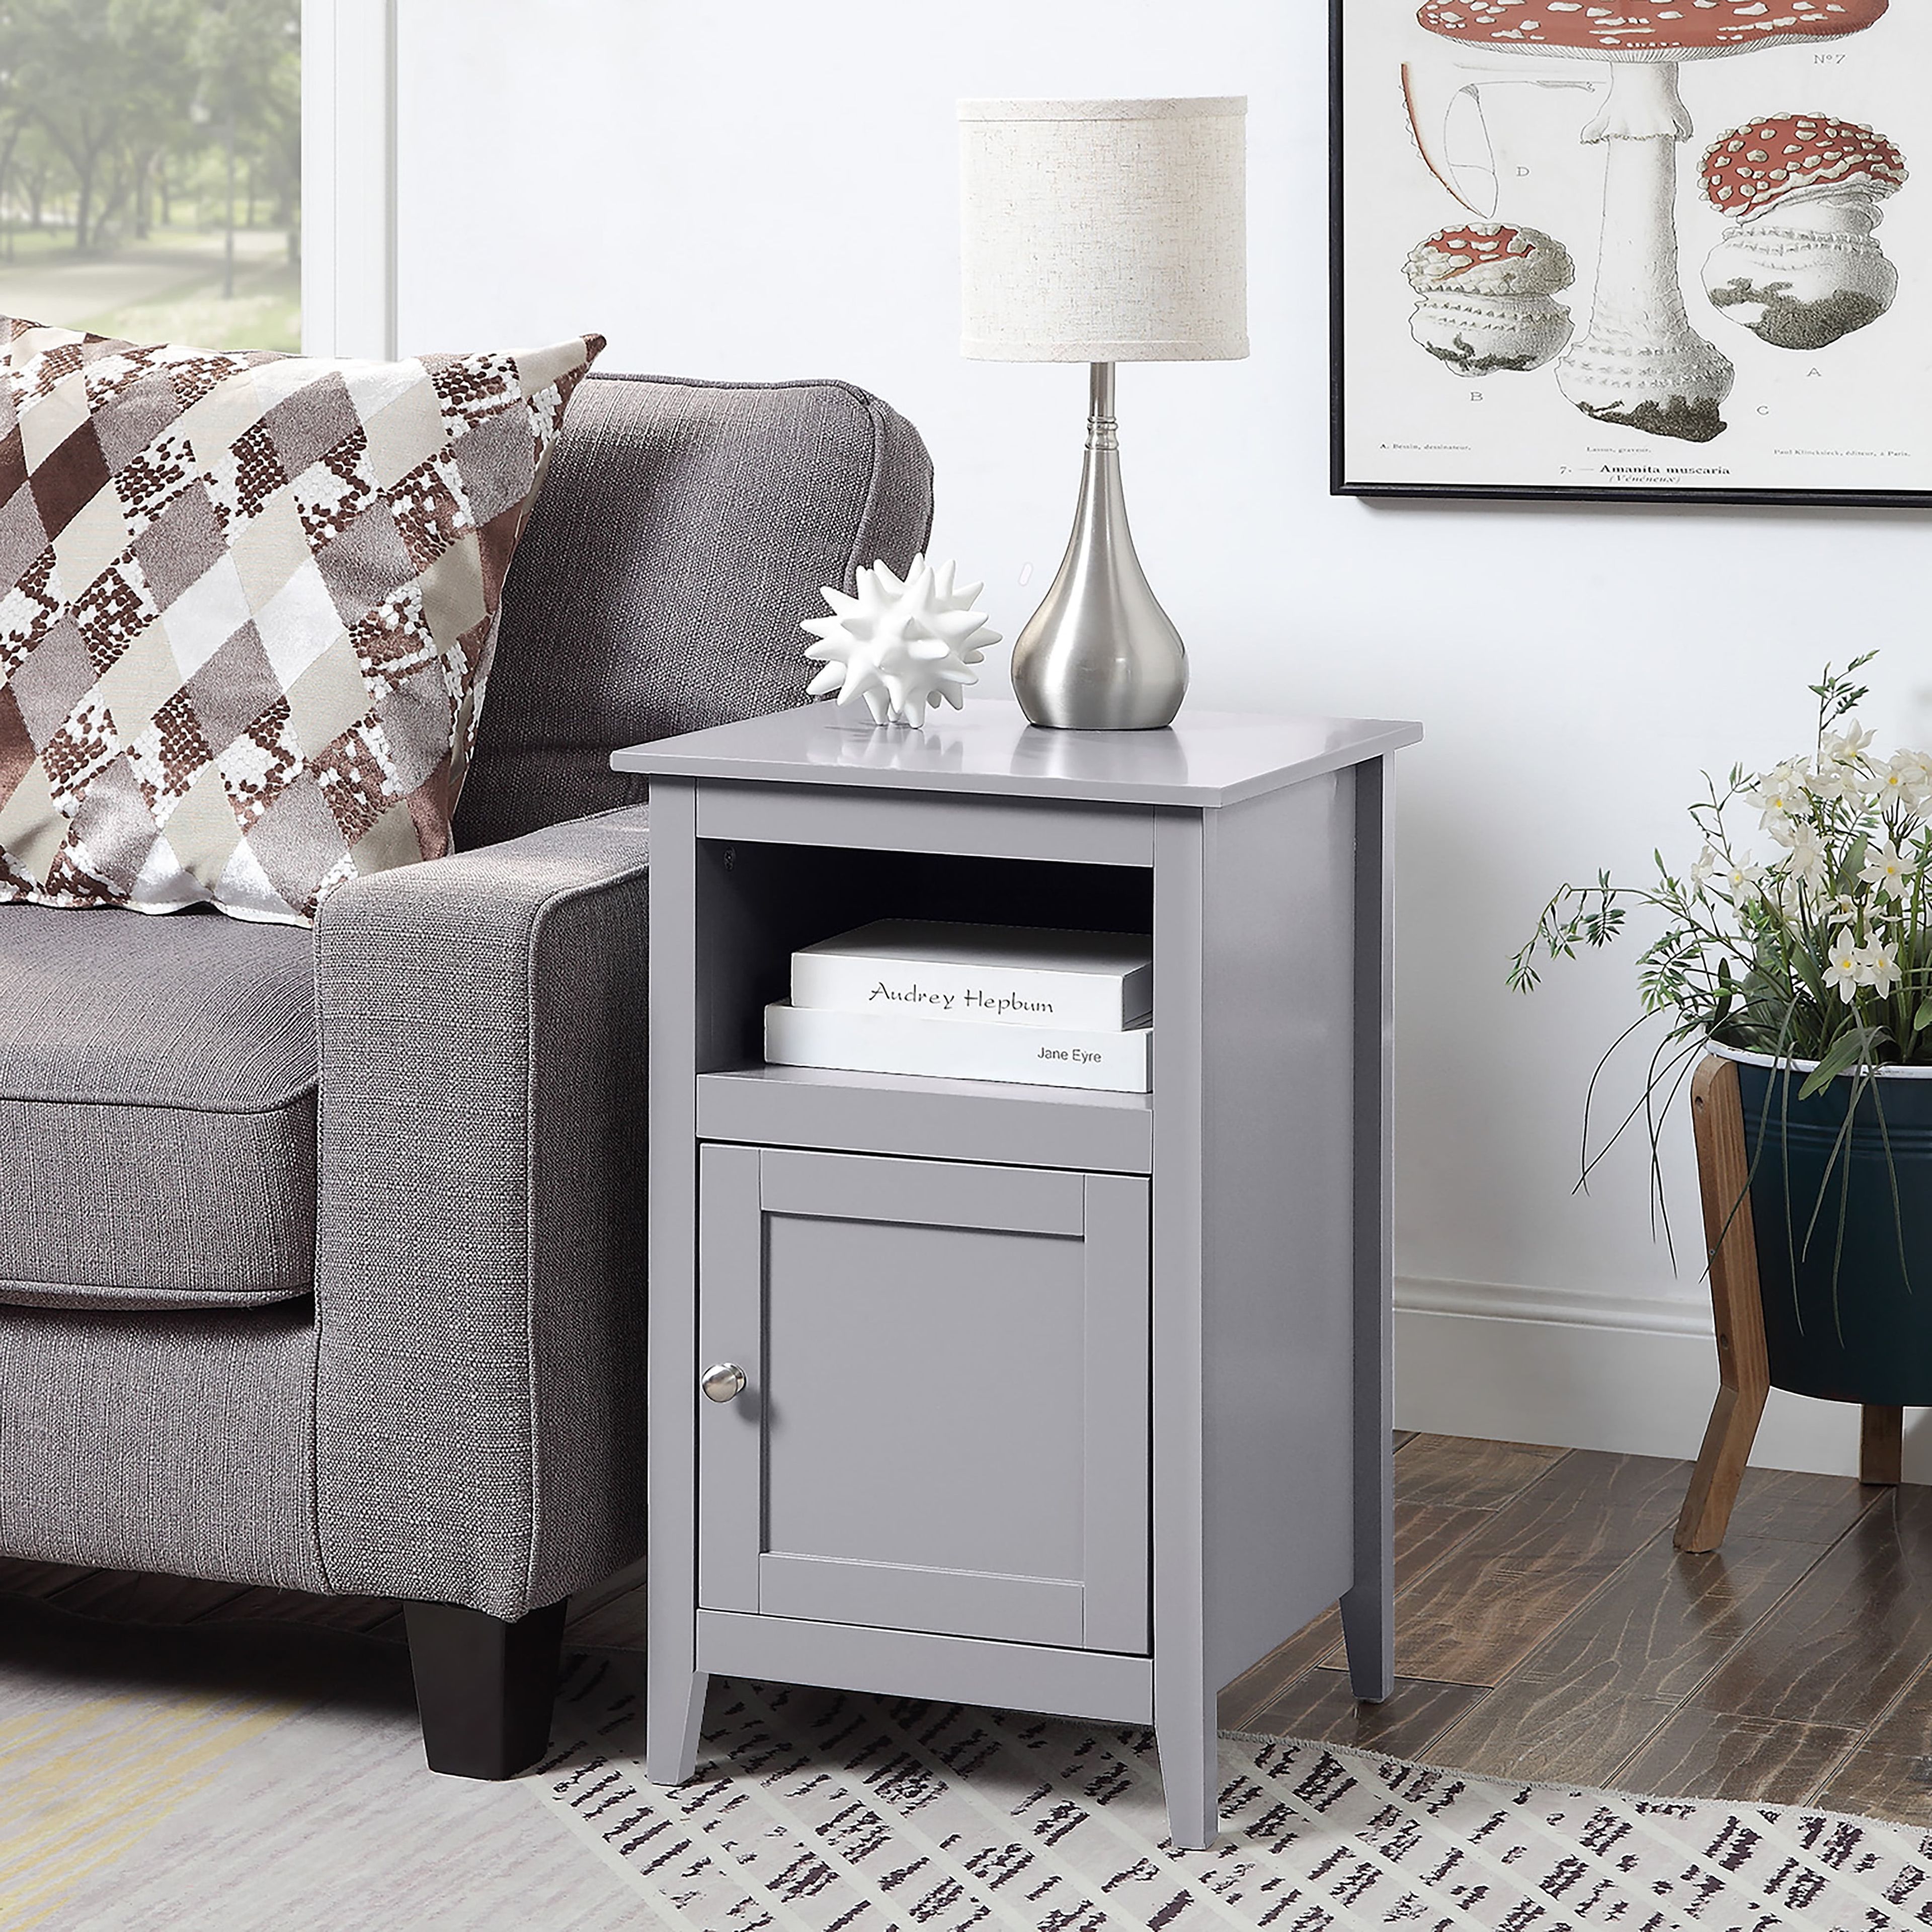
[(1881, 1445), (1190, 1773), (1368, 1634), (1368, 1609), (1744, 1370), (674, 1709)]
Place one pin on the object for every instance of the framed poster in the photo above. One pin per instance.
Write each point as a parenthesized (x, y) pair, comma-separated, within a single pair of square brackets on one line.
[(1673, 249)]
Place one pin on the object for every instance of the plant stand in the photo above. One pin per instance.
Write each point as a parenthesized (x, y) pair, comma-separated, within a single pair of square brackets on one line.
[(1744, 1373)]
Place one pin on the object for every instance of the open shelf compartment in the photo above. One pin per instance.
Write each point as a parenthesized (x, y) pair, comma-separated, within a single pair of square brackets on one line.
[(758, 902)]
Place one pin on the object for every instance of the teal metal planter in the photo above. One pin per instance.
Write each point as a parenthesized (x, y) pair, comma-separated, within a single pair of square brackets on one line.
[(1848, 1312)]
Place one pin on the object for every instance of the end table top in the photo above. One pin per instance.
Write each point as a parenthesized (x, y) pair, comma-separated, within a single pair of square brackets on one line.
[(1205, 758)]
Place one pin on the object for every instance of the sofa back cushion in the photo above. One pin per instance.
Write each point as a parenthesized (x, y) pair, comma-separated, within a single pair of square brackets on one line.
[(248, 607), (683, 535)]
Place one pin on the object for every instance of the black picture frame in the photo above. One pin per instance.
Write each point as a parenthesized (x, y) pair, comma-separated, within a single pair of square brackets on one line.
[(1342, 484)]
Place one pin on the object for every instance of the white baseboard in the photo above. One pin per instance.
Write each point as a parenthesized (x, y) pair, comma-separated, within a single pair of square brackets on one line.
[(1595, 1372)]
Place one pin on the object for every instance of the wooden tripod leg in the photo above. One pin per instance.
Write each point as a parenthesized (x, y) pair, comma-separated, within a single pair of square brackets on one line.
[(1881, 1445), (1744, 1373)]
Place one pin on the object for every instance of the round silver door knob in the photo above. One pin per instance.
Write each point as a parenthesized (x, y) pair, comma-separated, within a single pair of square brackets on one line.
[(723, 1381)]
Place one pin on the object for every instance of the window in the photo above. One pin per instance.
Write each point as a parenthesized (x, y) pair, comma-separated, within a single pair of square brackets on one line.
[(151, 169)]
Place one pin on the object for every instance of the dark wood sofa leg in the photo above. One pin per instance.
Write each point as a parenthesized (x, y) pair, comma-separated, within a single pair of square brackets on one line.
[(484, 1687)]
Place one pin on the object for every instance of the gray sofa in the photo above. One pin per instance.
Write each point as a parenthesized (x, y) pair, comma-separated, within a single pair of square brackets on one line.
[(320, 1254)]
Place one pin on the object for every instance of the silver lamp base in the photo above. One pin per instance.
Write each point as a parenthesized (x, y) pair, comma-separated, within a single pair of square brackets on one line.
[(1100, 654)]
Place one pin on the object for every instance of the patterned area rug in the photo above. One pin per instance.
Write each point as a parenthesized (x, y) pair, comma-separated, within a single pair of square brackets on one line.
[(233, 1778), (816, 1810)]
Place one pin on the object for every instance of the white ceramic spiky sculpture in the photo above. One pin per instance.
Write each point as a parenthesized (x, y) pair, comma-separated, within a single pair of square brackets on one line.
[(900, 646)]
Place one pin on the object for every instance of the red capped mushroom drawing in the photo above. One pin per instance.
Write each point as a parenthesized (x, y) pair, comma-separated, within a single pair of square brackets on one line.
[(1639, 362), (1800, 266), (1486, 289)]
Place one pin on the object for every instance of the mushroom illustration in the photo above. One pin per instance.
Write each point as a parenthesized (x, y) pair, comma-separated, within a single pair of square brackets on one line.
[(1640, 363), (1485, 293), (1800, 266)]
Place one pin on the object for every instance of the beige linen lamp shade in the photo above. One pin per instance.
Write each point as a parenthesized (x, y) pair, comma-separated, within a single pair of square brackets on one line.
[(1104, 231)]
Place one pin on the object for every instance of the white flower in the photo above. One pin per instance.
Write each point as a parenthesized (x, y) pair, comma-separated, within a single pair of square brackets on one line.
[(1905, 778), (1807, 863), (1885, 872), (1832, 780), (1844, 908), (1741, 877), (1708, 862), (1845, 966), (1843, 770), (1779, 796), (1847, 747), (1878, 967)]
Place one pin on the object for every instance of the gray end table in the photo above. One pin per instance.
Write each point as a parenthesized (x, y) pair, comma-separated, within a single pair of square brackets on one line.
[(1031, 1397)]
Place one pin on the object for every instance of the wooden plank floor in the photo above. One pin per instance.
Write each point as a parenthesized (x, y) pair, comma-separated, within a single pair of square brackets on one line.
[(1544, 1628)]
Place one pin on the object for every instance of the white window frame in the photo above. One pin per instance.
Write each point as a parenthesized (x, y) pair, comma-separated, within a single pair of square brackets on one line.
[(348, 178)]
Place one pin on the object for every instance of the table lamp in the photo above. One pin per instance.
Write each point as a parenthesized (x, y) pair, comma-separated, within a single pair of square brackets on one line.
[(1103, 232)]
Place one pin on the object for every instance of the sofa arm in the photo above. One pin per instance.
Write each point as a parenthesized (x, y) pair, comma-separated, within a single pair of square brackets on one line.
[(479, 1236)]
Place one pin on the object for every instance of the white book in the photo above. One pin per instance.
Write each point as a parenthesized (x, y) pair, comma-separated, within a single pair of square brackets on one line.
[(989, 975), (1120, 1062)]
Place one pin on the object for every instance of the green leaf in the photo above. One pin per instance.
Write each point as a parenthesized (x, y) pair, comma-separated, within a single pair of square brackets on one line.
[(1846, 1052), (1923, 1018)]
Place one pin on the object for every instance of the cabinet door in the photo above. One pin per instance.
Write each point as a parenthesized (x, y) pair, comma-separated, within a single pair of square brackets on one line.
[(945, 1422)]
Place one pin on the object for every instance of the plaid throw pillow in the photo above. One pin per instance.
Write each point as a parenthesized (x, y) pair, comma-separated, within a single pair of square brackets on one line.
[(252, 601)]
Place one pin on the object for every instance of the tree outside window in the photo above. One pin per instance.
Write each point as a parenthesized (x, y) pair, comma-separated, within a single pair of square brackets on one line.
[(151, 169)]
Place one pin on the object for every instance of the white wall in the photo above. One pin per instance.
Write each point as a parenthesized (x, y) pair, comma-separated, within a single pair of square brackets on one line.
[(766, 190)]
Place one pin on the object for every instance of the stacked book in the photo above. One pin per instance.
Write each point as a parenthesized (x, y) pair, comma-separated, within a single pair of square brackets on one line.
[(1041, 1007)]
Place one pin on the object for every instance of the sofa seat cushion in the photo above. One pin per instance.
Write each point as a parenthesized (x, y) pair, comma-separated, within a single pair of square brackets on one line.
[(157, 1082)]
